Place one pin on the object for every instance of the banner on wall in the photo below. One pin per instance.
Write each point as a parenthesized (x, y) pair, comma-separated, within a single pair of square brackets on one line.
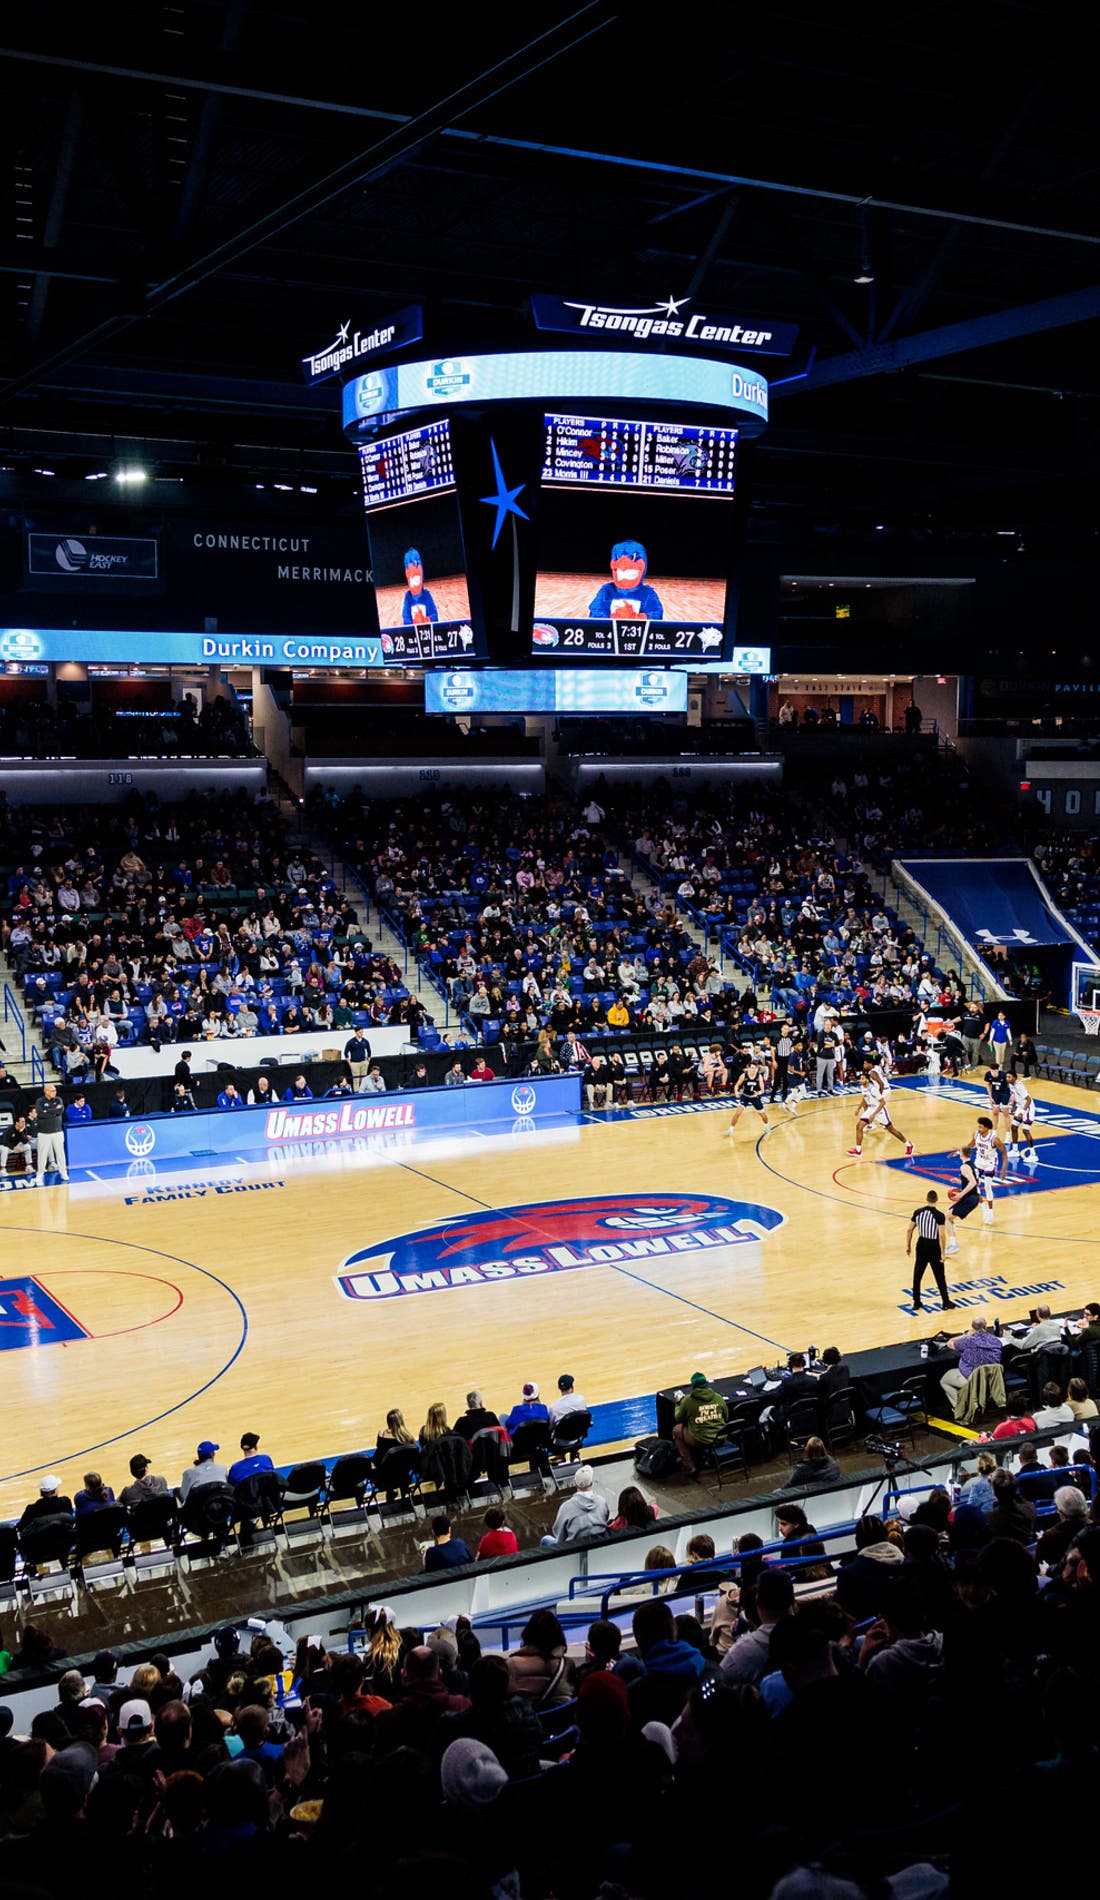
[(63, 563), (354, 1118)]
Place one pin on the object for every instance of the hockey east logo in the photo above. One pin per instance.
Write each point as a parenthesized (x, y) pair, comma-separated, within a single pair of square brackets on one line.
[(510, 1243)]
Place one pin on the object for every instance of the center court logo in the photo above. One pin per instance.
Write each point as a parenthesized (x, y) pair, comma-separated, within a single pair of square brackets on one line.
[(140, 1139), (604, 1230), (523, 1099)]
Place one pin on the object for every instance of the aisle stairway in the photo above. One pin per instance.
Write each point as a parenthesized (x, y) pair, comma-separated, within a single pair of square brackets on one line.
[(730, 972), (19, 1064), (374, 926)]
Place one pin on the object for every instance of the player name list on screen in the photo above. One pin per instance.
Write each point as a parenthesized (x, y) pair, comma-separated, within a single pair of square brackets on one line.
[(600, 452), (399, 467)]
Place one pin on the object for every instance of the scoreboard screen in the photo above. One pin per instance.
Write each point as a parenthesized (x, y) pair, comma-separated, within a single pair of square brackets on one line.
[(635, 534), (683, 458), (399, 467), (418, 563)]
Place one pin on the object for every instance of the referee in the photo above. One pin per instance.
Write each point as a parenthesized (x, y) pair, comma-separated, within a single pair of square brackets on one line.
[(927, 1223), (783, 1047)]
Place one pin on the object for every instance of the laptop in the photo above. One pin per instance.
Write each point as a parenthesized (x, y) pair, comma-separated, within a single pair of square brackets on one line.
[(757, 1378)]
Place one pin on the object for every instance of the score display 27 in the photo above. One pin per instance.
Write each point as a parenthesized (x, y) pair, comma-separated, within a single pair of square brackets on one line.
[(636, 529)]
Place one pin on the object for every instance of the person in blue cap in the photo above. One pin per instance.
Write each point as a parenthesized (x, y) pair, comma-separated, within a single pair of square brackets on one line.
[(627, 595), (418, 605)]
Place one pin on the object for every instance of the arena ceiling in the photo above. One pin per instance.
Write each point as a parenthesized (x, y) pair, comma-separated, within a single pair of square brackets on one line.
[(199, 192)]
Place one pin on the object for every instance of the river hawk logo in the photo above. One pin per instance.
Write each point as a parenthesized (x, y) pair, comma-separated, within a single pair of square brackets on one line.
[(508, 1243)]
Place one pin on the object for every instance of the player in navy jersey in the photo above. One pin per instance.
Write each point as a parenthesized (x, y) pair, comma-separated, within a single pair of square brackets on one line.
[(627, 595), (999, 1090)]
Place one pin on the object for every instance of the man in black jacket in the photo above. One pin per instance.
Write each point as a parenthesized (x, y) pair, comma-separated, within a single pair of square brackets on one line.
[(50, 1502)]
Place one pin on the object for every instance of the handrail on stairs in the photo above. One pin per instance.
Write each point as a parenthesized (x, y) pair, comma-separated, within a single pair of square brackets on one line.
[(14, 1014)]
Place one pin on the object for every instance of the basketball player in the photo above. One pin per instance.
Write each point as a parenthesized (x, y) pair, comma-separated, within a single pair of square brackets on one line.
[(1022, 1116), (962, 1201), (999, 1090), (873, 1112), (982, 1151), (748, 1091), (796, 1075)]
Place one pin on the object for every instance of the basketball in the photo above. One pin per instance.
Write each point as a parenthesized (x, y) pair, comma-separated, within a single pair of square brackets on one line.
[(952, 1194)]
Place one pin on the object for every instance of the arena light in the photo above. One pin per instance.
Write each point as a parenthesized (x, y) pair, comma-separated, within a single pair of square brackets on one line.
[(865, 273), (131, 475)]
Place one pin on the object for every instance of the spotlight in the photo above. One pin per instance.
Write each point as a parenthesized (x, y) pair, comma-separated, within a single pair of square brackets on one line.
[(865, 274), (131, 475)]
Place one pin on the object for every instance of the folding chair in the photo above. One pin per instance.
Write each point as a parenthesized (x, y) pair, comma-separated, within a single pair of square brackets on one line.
[(258, 1505), (105, 1529), (396, 1474), (839, 1420), (44, 1543), (566, 1441), (803, 1422), (349, 1482), (727, 1454), (153, 1521), (9, 1562), (208, 1517), (304, 1489), (530, 1447)]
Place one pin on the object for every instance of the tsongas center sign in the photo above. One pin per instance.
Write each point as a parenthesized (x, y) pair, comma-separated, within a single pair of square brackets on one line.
[(672, 321), (552, 1237), (353, 347)]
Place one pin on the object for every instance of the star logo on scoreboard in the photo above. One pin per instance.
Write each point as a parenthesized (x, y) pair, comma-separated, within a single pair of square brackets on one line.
[(506, 500), (508, 1243)]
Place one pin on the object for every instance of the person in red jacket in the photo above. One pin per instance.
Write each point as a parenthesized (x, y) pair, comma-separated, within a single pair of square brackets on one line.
[(498, 1540), (481, 1072), (1019, 1420)]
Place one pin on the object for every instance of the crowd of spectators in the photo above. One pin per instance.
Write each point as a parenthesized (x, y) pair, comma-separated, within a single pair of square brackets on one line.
[(801, 918), (811, 1689), (186, 923), (522, 914)]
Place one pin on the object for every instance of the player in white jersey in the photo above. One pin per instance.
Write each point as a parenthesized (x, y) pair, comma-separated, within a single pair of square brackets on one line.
[(873, 1111), (1021, 1110), (982, 1152)]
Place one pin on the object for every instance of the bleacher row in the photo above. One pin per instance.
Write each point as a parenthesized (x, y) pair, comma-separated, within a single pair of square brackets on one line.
[(58, 1553)]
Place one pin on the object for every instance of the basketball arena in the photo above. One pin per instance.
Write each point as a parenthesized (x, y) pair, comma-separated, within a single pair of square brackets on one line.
[(549, 952)]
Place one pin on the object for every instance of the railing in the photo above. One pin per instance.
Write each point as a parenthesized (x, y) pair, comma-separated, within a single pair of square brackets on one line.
[(38, 1068), (14, 1014)]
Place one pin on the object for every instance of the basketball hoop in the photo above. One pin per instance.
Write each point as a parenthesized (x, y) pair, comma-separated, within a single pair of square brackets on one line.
[(1091, 1020)]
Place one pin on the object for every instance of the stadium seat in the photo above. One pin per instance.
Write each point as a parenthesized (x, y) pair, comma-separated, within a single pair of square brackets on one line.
[(304, 1490)]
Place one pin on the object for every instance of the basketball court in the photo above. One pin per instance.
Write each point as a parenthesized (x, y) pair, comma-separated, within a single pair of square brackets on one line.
[(302, 1294)]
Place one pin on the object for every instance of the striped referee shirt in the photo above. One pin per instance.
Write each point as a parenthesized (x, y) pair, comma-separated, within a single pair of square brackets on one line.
[(928, 1221)]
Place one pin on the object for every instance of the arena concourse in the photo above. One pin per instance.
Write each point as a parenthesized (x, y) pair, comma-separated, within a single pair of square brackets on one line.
[(549, 955)]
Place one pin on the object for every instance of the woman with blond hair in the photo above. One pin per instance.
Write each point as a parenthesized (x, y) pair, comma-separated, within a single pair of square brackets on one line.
[(446, 1458), (435, 1426), (384, 1653), (394, 1432)]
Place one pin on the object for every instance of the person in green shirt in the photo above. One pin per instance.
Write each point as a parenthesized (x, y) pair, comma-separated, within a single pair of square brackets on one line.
[(700, 1419)]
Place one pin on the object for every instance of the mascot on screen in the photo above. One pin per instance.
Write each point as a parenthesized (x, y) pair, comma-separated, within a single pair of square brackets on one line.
[(418, 606), (627, 596)]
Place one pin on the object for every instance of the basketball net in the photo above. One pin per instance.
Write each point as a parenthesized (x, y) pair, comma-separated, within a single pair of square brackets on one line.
[(1091, 1020)]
